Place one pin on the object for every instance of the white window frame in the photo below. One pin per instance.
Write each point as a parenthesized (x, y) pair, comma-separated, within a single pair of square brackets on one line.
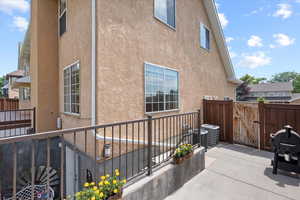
[(178, 87), (70, 84), (60, 16), (163, 21), (200, 34)]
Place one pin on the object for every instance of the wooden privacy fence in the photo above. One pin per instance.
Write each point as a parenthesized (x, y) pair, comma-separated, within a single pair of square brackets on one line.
[(245, 124), (273, 117), (220, 113), (250, 123), (9, 104)]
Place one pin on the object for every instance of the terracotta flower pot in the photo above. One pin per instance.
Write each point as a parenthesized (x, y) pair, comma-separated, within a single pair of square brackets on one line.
[(180, 160)]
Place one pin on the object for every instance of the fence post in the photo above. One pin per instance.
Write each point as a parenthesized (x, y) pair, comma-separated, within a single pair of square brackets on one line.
[(199, 127), (149, 145)]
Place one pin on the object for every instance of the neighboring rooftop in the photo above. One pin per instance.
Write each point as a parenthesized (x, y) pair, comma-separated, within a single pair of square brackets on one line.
[(17, 73), (272, 87)]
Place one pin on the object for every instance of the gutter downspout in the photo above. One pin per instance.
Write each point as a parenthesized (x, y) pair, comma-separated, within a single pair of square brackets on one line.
[(93, 70)]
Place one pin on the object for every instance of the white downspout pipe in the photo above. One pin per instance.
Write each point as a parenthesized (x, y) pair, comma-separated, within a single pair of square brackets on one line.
[(93, 70)]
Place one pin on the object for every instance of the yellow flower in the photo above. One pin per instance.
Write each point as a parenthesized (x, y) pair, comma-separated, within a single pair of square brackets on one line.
[(101, 195), (117, 173), (86, 185), (114, 182), (77, 194), (97, 192), (115, 191), (101, 183), (106, 183), (95, 188), (107, 175), (103, 178), (92, 183), (93, 198), (124, 181)]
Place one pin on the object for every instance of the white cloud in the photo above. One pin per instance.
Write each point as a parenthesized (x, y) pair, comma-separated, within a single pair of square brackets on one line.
[(283, 40), (255, 60), (20, 23), (255, 41), (284, 11), (229, 39), (8, 6), (223, 19)]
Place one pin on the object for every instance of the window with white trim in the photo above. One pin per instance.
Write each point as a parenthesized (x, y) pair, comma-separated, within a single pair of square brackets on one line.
[(165, 11), (161, 89), (72, 89), (62, 17), (204, 37)]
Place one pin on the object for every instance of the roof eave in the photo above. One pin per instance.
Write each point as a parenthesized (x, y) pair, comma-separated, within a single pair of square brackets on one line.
[(219, 35)]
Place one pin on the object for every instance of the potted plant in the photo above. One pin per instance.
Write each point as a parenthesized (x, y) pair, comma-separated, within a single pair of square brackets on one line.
[(182, 153), (109, 188)]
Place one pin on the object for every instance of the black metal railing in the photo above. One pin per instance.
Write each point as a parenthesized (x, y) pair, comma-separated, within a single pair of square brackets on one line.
[(60, 161), (17, 122)]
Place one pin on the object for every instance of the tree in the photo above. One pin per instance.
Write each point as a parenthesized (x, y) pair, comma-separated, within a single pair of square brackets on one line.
[(1, 85), (296, 84), (284, 77), (251, 79), (242, 91)]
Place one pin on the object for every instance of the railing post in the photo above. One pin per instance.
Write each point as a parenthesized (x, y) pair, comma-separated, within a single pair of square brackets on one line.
[(199, 127), (33, 120), (149, 145)]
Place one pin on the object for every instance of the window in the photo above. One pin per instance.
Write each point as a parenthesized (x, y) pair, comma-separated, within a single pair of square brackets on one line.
[(62, 17), (164, 10), (161, 89), (204, 37), (25, 94), (72, 89)]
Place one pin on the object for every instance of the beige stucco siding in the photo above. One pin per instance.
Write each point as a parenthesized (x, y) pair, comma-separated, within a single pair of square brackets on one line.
[(129, 35), (75, 45), (44, 63)]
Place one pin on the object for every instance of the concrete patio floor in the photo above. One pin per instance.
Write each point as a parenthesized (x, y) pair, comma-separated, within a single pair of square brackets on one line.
[(235, 172)]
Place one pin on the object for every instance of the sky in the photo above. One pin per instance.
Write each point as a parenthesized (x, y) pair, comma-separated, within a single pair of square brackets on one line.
[(263, 36)]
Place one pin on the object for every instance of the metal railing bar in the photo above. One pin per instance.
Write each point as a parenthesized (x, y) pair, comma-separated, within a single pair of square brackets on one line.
[(62, 166), (14, 171), (48, 167), (32, 169)]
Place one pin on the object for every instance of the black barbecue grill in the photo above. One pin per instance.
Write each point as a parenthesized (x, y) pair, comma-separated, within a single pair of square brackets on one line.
[(286, 147)]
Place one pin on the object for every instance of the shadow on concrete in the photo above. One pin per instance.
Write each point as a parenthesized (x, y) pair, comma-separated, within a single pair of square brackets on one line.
[(283, 178)]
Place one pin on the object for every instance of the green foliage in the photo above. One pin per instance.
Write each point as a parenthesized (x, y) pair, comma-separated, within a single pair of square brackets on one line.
[(261, 100), (284, 77), (251, 79), (296, 84), (183, 150), (1, 85)]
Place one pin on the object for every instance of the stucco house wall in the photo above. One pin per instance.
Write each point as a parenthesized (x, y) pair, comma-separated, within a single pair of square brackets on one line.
[(75, 45), (129, 35)]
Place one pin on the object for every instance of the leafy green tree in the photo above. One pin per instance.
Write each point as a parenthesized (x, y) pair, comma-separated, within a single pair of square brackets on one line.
[(251, 79), (296, 84), (284, 77), (1, 85)]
